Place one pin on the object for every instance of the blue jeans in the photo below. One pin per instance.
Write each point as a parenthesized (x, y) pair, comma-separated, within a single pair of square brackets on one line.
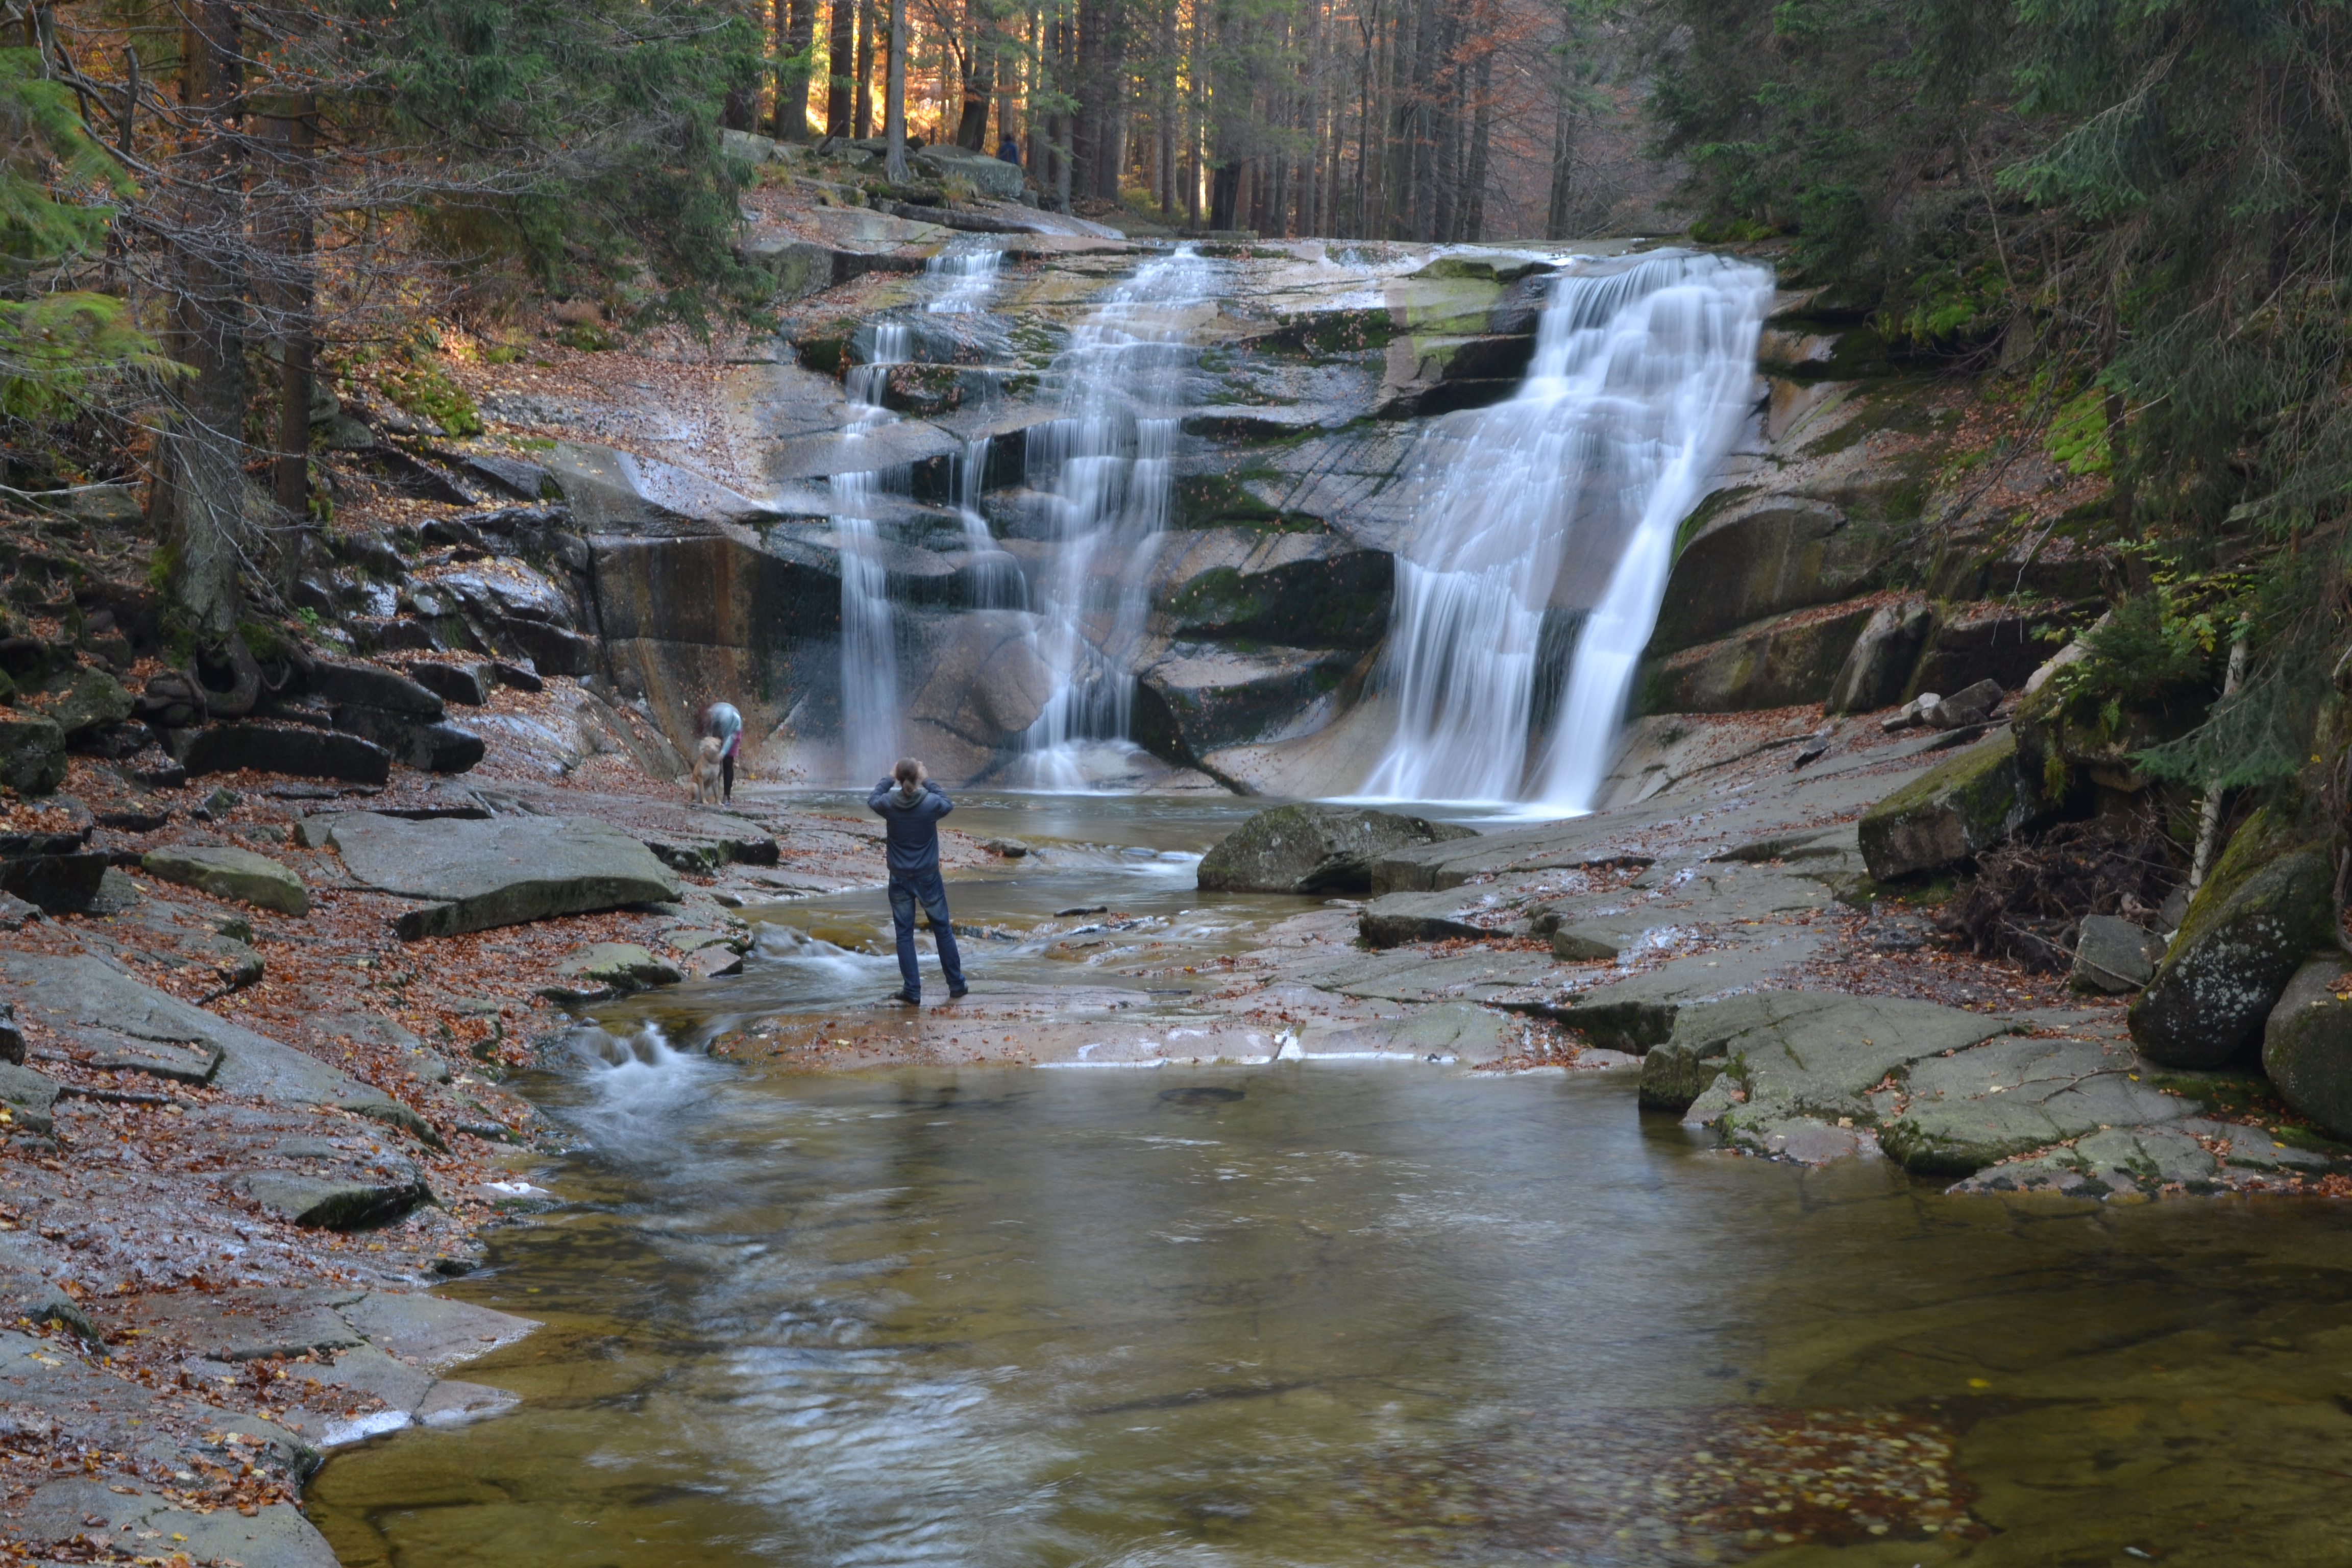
[(908, 888)]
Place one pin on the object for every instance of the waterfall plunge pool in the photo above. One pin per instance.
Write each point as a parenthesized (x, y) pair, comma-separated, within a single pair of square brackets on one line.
[(1324, 1315), (1341, 1316)]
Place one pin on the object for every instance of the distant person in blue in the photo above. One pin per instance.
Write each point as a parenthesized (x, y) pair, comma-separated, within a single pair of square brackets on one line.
[(1009, 150), (720, 720), (911, 806)]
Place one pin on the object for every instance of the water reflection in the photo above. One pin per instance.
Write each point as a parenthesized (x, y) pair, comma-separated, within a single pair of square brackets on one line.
[(1352, 1316)]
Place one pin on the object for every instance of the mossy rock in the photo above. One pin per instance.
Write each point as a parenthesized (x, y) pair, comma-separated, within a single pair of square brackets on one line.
[(428, 394), (1789, 660), (1951, 812), (2264, 908), (2307, 1045)]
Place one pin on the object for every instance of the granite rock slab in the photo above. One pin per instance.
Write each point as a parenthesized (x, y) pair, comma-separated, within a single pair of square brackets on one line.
[(503, 871)]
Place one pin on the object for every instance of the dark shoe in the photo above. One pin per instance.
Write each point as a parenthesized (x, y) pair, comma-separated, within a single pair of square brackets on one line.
[(956, 993), (902, 996)]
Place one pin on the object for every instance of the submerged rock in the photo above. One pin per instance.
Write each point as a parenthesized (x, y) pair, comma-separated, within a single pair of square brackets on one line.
[(1314, 849), (2249, 927), (1949, 813), (2307, 1045), (502, 871), (224, 873)]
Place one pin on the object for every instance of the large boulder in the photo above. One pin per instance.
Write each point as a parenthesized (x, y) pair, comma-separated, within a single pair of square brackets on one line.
[(1990, 641), (1286, 588), (227, 873), (434, 747), (1314, 849), (502, 871), (989, 177), (1780, 662), (1198, 697), (32, 754), (1951, 812), (2307, 1045), (2265, 906), (58, 884), (372, 686), (1757, 557), (1877, 668), (2113, 956), (94, 701), (295, 749)]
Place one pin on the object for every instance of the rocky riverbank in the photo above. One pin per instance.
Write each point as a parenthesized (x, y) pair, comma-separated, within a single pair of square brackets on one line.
[(253, 1102)]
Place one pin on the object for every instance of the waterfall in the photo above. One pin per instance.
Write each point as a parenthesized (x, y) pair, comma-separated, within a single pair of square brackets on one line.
[(967, 274), (997, 582), (959, 280), (1565, 497), (869, 655), (1122, 384)]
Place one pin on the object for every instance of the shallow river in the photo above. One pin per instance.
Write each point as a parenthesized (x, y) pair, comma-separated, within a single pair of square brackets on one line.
[(1339, 1314)]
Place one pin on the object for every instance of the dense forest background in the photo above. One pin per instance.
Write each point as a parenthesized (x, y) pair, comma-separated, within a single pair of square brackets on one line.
[(2126, 213)]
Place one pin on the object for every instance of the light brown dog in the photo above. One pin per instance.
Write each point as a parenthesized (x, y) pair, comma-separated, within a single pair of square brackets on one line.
[(705, 772)]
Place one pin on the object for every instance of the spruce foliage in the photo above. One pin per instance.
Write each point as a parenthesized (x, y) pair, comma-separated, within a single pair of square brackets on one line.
[(2147, 197)]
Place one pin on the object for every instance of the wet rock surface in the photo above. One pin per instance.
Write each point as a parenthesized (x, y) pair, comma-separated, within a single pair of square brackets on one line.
[(1316, 848)]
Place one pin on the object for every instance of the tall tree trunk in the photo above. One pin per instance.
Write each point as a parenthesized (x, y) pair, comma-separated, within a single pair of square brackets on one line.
[(861, 112), (797, 40), (298, 132), (841, 55), (1563, 169), (978, 78), (203, 503), (1445, 211), (894, 109), (1474, 182), (1427, 72)]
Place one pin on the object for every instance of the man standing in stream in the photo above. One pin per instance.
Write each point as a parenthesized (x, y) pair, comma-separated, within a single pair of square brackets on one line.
[(911, 806)]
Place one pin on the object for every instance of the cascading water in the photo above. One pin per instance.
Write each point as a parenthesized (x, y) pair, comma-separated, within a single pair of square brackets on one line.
[(1567, 496), (869, 657), (1121, 385), (960, 281), (996, 580)]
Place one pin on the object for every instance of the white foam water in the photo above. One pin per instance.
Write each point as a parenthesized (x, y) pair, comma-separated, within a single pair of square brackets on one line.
[(1565, 498), (960, 280), (1105, 464)]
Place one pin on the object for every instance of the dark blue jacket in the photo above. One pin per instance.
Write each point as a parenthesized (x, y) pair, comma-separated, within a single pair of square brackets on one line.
[(913, 831)]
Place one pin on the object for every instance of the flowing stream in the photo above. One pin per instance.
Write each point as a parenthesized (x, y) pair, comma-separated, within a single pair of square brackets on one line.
[(1324, 1315), (1564, 499)]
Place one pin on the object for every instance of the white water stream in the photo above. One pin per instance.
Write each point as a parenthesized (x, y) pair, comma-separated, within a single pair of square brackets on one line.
[(960, 281), (1105, 464), (1566, 497)]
